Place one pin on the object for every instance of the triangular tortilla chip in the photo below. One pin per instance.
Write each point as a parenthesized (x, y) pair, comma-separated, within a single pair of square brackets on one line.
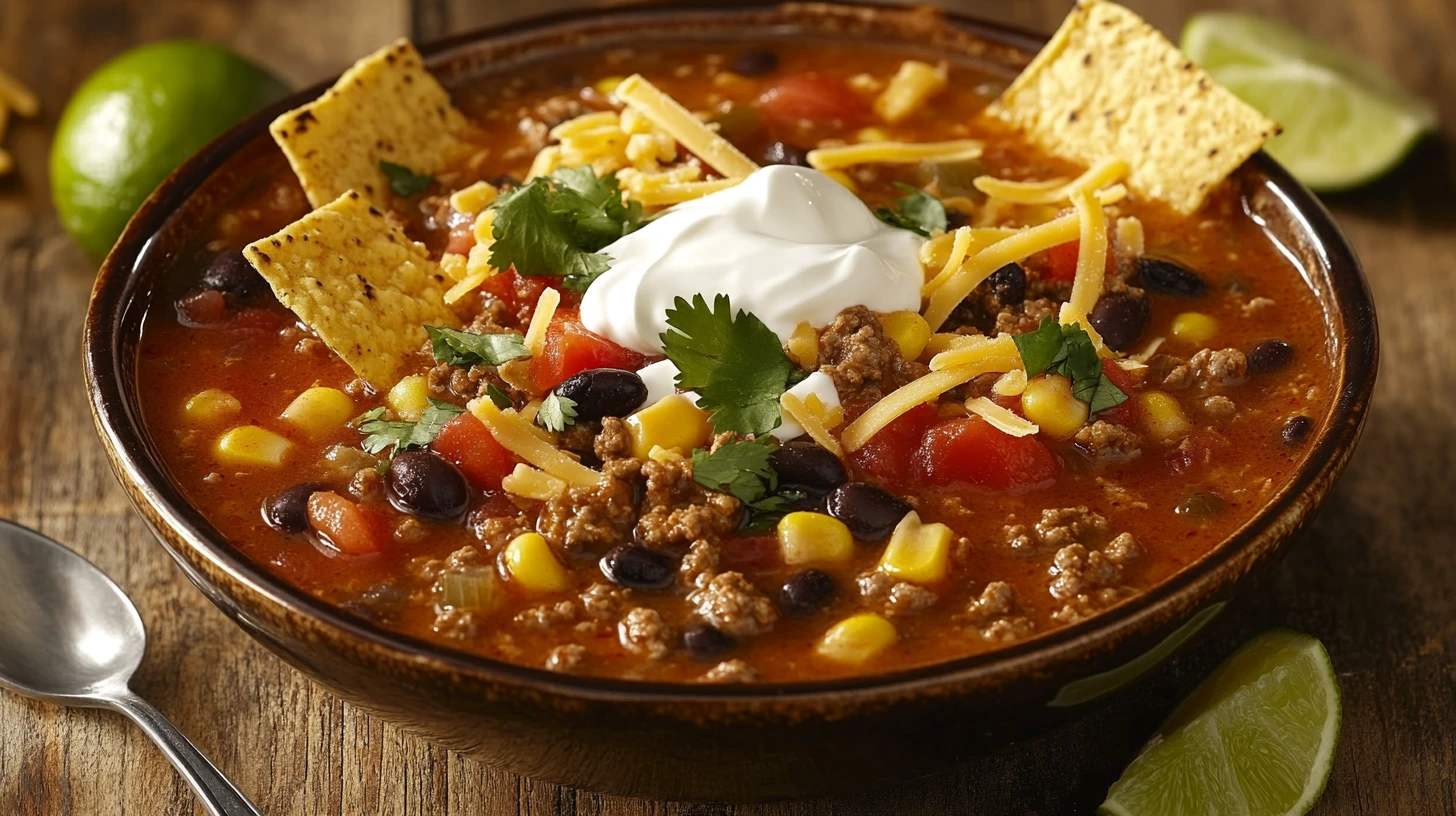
[(1108, 85), (364, 288), (385, 108)]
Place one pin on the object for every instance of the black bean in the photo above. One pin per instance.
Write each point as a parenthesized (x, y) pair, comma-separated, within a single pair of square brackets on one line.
[(231, 274), (869, 512), (1120, 318), (1296, 429), (1008, 284), (955, 219), (604, 392), (755, 62), (704, 642), (423, 484), (805, 463), (1200, 505), (287, 511), (1270, 355), (639, 567), (1169, 278), (807, 592), (785, 153)]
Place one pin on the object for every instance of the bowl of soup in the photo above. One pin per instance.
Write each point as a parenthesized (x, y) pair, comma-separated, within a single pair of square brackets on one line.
[(723, 403)]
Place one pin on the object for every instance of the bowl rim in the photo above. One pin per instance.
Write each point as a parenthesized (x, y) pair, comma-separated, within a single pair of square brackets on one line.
[(1349, 308)]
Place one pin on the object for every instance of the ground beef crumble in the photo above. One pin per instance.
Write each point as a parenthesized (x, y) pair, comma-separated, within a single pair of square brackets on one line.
[(601, 601), (1107, 442), (699, 565), (567, 657), (1058, 527), (856, 353), (677, 511), (614, 441), (642, 631), (884, 594), (596, 517), (730, 671), (991, 614), (734, 606)]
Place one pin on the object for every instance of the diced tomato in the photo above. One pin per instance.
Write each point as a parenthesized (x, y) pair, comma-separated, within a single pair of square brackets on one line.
[(466, 443), (1061, 261), (1126, 413), (890, 453), (520, 292), (815, 98), (350, 528), (971, 451), (1195, 452), (570, 349), (462, 239)]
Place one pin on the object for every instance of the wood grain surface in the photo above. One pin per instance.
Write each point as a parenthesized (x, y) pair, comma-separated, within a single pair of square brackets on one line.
[(1375, 579)]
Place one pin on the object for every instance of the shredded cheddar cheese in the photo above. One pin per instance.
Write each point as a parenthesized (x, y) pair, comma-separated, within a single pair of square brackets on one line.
[(1011, 384), (678, 122), (907, 396), (541, 319), (1001, 419), (1103, 174), (1008, 250), (997, 351), (909, 89), (835, 158), (1091, 260), (515, 435), (530, 483), (810, 420)]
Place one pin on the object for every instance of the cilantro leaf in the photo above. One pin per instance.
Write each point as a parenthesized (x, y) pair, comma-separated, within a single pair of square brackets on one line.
[(556, 412), (467, 348), (739, 468), (735, 364), (1070, 352), (555, 225), (917, 211), (404, 181), (1038, 348), (501, 399), (399, 435), (766, 512)]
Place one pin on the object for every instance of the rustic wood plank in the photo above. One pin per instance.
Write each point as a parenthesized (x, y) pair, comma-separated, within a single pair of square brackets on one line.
[(1371, 579)]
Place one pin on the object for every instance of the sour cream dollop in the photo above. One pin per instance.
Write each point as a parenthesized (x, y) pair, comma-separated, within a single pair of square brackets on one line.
[(788, 244)]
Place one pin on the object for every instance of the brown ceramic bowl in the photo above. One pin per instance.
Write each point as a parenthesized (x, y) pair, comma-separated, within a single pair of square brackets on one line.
[(695, 741)]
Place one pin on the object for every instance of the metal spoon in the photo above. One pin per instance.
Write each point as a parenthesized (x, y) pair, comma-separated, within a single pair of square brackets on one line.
[(69, 635)]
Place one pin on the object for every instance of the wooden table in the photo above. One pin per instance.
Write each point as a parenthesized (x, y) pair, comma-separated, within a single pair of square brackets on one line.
[(1375, 579)]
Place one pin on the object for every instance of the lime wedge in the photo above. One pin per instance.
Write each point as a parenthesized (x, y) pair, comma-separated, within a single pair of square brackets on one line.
[(1257, 737), (1345, 122)]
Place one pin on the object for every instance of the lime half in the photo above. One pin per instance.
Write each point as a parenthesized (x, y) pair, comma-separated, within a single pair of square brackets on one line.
[(1345, 122), (1257, 737)]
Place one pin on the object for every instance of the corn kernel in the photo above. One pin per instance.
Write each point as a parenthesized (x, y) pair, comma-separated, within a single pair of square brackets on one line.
[(530, 483), (319, 411), (918, 553), (409, 397), (673, 423), (529, 562), (211, 407), (606, 86), (251, 446), (872, 134), (809, 537), (1010, 384), (1162, 416), (856, 639), (1048, 401), (909, 331), (1193, 328), (474, 198), (803, 346)]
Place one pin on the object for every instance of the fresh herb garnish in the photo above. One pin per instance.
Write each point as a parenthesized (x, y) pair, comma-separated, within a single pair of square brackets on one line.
[(1070, 352), (556, 412), (467, 349), (404, 181), (397, 435), (741, 469), (917, 211), (736, 365), (501, 399), (555, 225)]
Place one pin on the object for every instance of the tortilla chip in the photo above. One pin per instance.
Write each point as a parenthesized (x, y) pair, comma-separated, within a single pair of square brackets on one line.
[(387, 107), (1108, 85), (364, 288)]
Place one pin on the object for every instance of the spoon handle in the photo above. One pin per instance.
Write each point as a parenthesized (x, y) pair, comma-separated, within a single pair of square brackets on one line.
[(214, 789)]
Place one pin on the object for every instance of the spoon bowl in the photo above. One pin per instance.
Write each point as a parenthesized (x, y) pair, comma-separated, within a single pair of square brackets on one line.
[(70, 633)]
